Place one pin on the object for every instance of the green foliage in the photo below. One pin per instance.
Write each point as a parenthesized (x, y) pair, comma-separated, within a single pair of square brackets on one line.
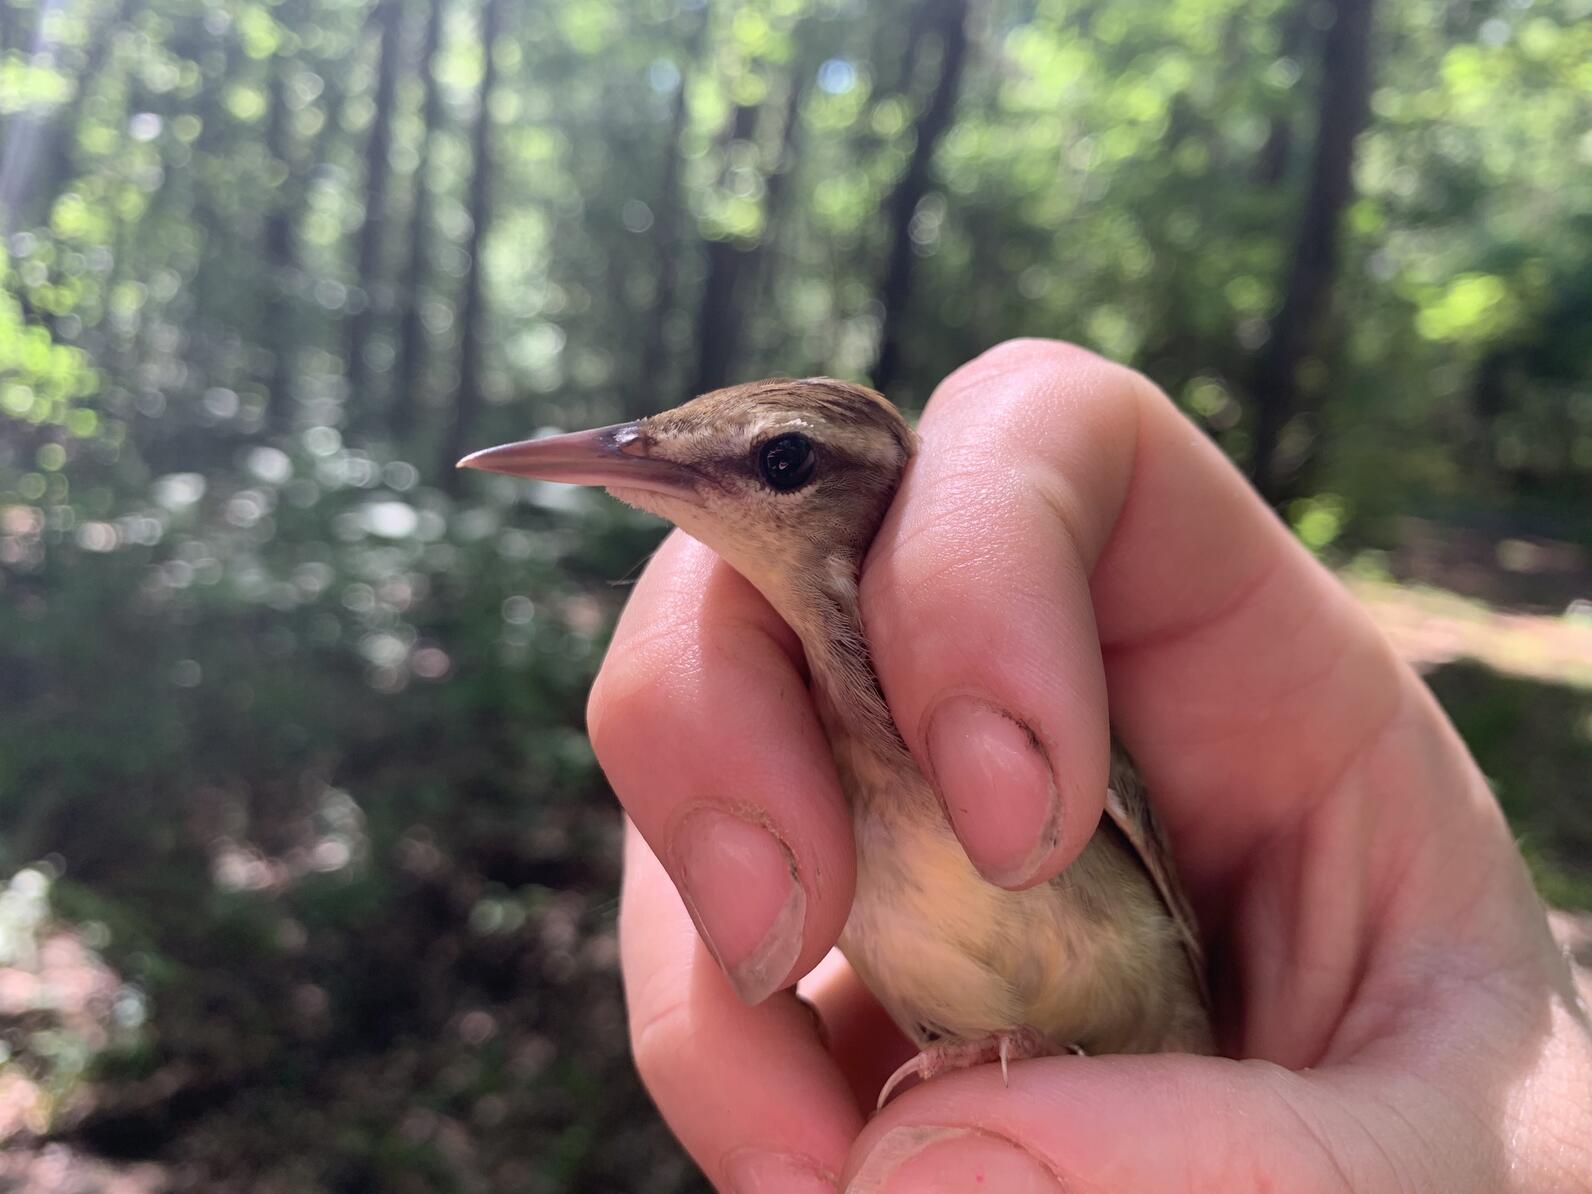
[(41, 379), (1536, 746), (1318, 521)]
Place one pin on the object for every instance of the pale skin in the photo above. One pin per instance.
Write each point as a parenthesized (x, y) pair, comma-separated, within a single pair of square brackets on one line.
[(1382, 964)]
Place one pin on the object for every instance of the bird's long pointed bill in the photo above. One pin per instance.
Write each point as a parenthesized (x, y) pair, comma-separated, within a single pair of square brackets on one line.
[(616, 457)]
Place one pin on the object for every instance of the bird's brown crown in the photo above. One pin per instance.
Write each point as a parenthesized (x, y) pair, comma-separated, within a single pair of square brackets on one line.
[(850, 413)]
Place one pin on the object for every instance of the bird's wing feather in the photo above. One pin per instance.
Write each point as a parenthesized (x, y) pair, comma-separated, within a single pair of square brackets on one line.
[(1128, 806)]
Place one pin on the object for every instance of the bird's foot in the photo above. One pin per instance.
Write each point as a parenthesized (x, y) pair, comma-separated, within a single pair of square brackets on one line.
[(1015, 1044)]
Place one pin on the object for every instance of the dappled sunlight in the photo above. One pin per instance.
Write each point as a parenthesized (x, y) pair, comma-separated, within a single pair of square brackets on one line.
[(1430, 628), (61, 1006), (1516, 681), (331, 838), (1521, 606)]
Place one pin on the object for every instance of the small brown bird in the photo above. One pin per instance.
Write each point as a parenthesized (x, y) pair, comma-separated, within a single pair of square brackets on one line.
[(788, 481)]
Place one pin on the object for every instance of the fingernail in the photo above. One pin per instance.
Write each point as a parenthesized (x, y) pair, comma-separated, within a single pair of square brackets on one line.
[(929, 1159), (753, 1172), (739, 881), (995, 781)]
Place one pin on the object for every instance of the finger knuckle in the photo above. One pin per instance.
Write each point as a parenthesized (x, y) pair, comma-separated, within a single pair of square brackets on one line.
[(1034, 378), (601, 726), (1040, 360), (626, 711), (658, 1041), (1036, 350)]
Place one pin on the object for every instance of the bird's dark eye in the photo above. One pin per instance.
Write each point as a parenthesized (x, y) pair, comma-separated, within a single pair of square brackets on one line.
[(787, 462)]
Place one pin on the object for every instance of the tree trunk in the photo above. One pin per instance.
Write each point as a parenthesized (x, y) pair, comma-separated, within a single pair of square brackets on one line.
[(63, 136), (894, 290), (467, 405), (212, 294), (29, 187), (666, 231), (718, 318), (1342, 109), (388, 18), (282, 325), (417, 273), (920, 22), (1271, 163), (280, 255), (760, 270)]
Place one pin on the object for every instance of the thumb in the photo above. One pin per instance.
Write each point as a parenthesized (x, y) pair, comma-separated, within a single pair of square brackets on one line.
[(1144, 1124)]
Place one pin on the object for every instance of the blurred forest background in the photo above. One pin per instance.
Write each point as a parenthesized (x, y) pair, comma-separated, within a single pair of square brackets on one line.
[(306, 871)]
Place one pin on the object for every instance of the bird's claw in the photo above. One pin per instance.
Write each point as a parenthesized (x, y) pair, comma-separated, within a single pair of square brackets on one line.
[(908, 1069), (1007, 1046)]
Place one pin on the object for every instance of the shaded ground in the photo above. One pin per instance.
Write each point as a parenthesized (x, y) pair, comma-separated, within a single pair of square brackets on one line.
[(1524, 572), (59, 1169), (1502, 629), (491, 1056), (479, 1048)]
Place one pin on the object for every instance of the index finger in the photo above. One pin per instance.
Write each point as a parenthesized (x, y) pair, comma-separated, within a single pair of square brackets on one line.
[(701, 720), (1063, 525), (751, 1092)]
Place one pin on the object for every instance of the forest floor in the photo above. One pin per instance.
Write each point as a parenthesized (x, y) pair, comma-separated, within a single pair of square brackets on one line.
[(1432, 628), (1520, 606), (1502, 630)]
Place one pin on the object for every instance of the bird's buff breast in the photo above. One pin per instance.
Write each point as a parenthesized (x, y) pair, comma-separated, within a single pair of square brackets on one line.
[(951, 956)]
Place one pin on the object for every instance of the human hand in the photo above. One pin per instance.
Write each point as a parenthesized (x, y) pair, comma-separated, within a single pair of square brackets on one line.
[(1383, 965)]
